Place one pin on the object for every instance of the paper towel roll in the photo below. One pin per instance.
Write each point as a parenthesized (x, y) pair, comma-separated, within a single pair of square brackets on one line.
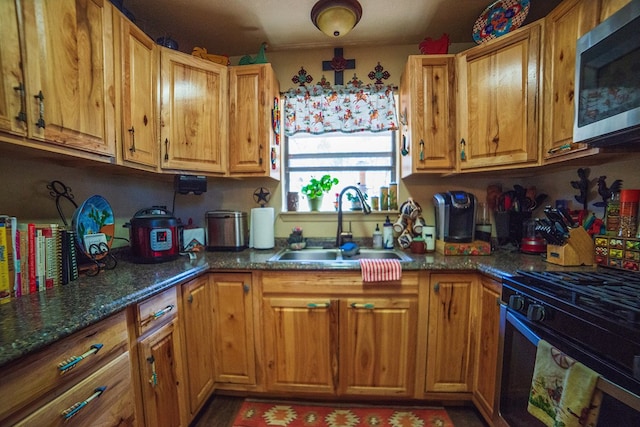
[(261, 233)]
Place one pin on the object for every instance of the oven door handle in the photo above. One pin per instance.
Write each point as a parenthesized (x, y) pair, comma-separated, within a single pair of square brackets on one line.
[(621, 394)]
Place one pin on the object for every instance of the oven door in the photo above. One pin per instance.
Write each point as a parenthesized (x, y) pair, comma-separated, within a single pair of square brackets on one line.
[(518, 344)]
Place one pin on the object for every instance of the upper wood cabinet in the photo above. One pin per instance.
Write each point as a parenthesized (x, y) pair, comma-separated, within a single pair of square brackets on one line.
[(451, 335), (253, 93), (70, 73), (138, 132), (13, 117), (193, 125), (427, 112), (498, 112), (563, 26)]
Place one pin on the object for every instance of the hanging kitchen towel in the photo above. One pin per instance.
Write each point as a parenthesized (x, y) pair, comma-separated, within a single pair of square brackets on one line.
[(380, 270), (563, 391)]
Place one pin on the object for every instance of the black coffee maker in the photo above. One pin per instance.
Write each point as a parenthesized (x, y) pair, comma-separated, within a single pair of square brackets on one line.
[(455, 216)]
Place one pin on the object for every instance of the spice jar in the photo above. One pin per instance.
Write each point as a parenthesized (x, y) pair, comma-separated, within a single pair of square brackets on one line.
[(612, 217), (628, 213)]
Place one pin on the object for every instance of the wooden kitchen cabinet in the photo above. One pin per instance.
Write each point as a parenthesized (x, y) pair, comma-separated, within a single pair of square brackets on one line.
[(498, 95), (253, 93), (196, 318), (13, 117), (609, 7), (330, 334), (193, 113), (70, 73), (563, 26), (102, 399), (41, 385), (235, 355), (138, 133), (486, 366), (427, 111), (378, 345), (160, 381), (451, 337)]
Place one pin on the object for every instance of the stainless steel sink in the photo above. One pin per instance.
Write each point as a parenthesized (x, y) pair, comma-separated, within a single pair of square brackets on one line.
[(336, 256)]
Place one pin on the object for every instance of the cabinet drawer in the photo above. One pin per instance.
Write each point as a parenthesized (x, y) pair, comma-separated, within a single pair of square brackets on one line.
[(39, 374), (112, 403), (156, 310)]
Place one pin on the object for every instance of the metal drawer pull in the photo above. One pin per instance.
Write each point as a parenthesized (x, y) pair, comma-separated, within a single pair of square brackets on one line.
[(158, 314), (368, 305), (73, 361), (319, 305), (75, 408)]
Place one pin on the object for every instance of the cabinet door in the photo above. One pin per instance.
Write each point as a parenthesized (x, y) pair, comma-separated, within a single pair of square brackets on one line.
[(498, 100), (253, 91), (193, 126), (378, 346), (196, 320), (609, 7), (69, 64), (428, 115), (13, 118), (301, 344), (235, 361), (159, 361), (563, 26), (450, 333), (484, 384), (139, 96)]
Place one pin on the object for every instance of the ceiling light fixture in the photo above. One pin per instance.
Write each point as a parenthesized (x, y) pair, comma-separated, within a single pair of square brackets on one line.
[(336, 18)]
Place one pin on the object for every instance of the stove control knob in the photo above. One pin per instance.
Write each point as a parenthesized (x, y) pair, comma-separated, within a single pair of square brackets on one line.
[(535, 312), (516, 302)]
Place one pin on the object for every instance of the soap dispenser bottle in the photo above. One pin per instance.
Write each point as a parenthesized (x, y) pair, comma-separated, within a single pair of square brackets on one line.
[(387, 234), (377, 238)]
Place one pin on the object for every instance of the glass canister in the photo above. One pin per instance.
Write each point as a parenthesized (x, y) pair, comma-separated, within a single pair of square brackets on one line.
[(628, 213)]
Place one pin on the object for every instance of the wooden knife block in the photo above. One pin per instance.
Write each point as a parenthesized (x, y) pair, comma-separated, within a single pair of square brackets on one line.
[(577, 251)]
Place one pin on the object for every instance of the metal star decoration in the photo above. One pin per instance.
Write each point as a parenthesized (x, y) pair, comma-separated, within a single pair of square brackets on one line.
[(261, 196)]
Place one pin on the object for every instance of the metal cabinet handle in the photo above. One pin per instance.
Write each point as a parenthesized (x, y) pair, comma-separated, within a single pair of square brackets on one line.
[(319, 305), (22, 116), (190, 298), (367, 306), (73, 361), (260, 159), (157, 314), (436, 287), (166, 149), (76, 407), (132, 148), (40, 97), (154, 375)]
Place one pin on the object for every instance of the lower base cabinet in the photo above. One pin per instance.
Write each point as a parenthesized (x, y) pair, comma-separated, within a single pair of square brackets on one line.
[(484, 385), (451, 336), (329, 334), (103, 399)]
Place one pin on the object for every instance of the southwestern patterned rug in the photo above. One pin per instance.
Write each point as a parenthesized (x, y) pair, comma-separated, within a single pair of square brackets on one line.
[(292, 414)]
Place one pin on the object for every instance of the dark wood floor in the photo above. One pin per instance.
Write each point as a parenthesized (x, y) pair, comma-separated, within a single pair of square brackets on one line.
[(220, 411)]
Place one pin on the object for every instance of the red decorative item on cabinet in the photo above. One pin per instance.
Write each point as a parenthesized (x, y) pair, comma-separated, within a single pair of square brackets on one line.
[(429, 46)]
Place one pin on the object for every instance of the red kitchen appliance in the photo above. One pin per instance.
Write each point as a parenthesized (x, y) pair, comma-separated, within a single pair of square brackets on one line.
[(154, 235)]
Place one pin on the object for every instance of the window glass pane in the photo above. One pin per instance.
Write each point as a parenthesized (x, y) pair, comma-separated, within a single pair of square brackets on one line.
[(360, 158)]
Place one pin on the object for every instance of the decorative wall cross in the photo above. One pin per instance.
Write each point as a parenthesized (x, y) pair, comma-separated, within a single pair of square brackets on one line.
[(338, 64)]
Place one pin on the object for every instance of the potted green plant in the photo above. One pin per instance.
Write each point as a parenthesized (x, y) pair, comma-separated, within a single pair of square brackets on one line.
[(356, 204), (316, 188)]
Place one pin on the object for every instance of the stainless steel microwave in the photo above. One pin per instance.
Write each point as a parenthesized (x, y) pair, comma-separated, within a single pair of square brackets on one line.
[(607, 97)]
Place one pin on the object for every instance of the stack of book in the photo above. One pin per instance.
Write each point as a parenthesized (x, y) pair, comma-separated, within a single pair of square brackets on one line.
[(35, 257)]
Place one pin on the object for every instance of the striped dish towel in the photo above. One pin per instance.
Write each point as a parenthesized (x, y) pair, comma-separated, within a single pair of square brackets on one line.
[(380, 270)]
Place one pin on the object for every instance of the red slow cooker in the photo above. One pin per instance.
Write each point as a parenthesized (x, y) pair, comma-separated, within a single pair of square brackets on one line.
[(154, 235)]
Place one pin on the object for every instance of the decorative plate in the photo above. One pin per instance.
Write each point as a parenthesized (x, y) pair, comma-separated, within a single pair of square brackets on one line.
[(499, 18), (93, 216)]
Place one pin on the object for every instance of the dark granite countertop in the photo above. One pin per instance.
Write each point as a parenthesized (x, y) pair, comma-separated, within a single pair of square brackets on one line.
[(31, 322)]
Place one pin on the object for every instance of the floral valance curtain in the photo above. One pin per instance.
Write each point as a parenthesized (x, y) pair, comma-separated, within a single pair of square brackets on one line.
[(319, 109)]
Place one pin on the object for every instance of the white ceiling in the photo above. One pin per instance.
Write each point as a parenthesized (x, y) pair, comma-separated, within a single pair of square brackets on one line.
[(238, 27)]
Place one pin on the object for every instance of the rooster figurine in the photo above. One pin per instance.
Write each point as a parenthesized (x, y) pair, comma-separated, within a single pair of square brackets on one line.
[(583, 186), (606, 192)]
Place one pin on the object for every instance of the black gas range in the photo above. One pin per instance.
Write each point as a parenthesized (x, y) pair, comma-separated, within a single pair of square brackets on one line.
[(597, 310)]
